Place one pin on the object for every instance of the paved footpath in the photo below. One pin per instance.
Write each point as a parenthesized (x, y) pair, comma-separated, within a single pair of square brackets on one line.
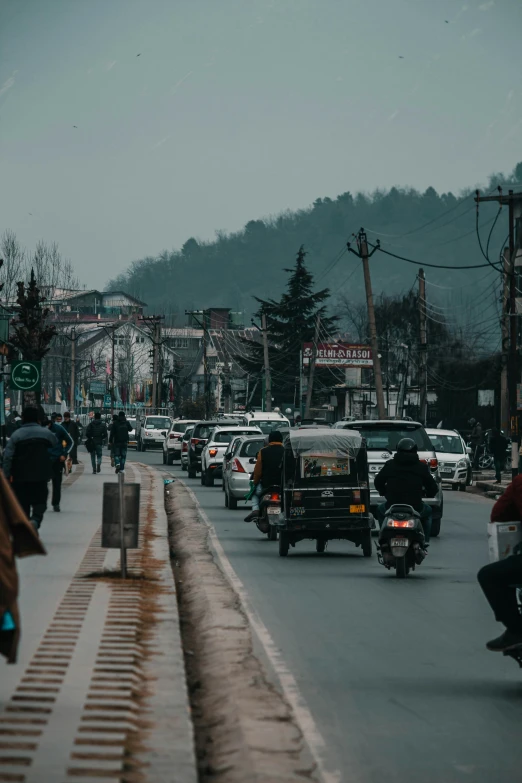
[(99, 692)]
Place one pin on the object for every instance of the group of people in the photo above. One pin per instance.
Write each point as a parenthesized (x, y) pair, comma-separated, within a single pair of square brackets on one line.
[(117, 435)]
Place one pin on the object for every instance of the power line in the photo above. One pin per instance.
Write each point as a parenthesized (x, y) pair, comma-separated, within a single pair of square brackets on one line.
[(433, 266)]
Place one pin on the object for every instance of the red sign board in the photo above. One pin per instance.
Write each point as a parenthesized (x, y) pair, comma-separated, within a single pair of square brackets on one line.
[(338, 355)]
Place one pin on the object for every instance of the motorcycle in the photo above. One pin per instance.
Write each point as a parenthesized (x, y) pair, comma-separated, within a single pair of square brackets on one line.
[(269, 512), (401, 540)]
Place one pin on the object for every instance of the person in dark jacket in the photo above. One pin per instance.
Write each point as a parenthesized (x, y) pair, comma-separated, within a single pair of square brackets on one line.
[(499, 580), (405, 479), (97, 432), (59, 454), (498, 445), (28, 466), (13, 423), (72, 428), (119, 441), (476, 439), (267, 472)]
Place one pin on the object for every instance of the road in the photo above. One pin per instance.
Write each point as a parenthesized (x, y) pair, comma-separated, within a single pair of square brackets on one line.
[(395, 673)]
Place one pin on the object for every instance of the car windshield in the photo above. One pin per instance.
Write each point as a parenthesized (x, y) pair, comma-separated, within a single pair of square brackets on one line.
[(447, 444), (251, 448), (177, 427), (386, 438), (268, 426), (157, 423)]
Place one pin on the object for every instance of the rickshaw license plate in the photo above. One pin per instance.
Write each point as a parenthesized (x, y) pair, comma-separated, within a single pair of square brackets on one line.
[(358, 509), (399, 542)]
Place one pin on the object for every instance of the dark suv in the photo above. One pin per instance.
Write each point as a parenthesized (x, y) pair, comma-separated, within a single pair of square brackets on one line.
[(198, 440)]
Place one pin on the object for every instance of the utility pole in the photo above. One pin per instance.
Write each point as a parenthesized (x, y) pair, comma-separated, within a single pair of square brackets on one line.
[(73, 369), (227, 388), (311, 373), (504, 389), (423, 350), (514, 204), (268, 379), (362, 244), (112, 369), (154, 323), (200, 317)]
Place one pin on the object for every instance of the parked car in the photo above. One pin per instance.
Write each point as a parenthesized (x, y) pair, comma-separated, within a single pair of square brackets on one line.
[(202, 430), (132, 433), (453, 455), (185, 447), (382, 437), (152, 431), (214, 450), (240, 463), (172, 442)]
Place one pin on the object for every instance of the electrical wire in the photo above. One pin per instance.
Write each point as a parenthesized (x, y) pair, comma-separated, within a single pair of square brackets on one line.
[(332, 264), (433, 266)]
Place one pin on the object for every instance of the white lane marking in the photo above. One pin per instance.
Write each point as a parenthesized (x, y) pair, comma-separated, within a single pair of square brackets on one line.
[(308, 726)]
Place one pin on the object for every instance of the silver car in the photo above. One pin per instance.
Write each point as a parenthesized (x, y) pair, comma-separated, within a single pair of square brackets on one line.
[(240, 463), (454, 460), (382, 437)]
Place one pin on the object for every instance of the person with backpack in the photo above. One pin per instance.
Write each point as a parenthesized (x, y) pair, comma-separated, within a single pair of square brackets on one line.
[(119, 441), (96, 434)]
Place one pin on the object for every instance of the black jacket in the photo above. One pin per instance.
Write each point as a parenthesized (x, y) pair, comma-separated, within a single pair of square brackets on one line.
[(72, 429), (97, 430), (498, 446), (405, 479), (269, 465), (120, 432)]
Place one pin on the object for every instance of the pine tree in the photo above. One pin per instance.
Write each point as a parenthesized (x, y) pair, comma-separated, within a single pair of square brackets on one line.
[(32, 332), (291, 322)]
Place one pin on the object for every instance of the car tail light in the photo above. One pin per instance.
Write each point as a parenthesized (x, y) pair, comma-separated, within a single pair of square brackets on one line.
[(212, 452), (184, 446), (434, 463), (171, 436), (237, 467), (275, 496), (401, 523), (194, 441)]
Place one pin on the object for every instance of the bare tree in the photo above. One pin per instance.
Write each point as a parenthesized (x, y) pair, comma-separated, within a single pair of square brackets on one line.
[(14, 257)]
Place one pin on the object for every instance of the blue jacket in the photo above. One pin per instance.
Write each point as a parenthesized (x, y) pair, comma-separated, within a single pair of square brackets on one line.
[(61, 435)]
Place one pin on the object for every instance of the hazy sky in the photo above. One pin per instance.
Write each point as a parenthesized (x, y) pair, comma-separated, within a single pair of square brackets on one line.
[(237, 109)]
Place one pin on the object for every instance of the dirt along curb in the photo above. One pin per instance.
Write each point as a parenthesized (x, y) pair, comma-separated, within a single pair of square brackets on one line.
[(245, 730)]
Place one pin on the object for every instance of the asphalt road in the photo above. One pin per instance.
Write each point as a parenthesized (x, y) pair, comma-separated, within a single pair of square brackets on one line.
[(395, 673)]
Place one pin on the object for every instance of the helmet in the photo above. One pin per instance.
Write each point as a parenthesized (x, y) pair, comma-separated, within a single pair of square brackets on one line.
[(407, 444)]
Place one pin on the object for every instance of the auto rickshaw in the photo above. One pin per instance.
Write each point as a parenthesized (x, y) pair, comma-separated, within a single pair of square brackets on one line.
[(325, 489)]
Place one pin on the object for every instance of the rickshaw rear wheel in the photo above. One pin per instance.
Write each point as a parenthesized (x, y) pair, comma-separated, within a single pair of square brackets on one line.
[(284, 544), (320, 545)]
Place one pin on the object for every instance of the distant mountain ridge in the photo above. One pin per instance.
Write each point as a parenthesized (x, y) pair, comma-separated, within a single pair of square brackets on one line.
[(427, 227)]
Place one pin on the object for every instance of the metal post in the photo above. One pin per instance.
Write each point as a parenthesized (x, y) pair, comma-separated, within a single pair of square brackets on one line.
[(112, 371), (268, 380), (73, 369), (504, 391), (311, 372), (123, 551), (423, 353)]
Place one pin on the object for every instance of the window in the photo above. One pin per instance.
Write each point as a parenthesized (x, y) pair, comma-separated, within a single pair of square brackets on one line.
[(252, 447), (157, 423), (140, 339), (181, 342), (447, 444)]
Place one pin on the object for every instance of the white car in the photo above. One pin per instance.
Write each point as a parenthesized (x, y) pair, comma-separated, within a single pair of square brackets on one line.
[(214, 450), (132, 433), (172, 443), (152, 432), (267, 421), (453, 455), (238, 467)]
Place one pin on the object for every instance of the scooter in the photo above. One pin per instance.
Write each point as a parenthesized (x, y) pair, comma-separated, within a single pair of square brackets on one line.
[(401, 540), (269, 512)]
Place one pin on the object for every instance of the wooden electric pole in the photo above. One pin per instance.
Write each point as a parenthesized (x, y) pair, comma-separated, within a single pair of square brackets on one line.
[(266, 358), (364, 255), (73, 370), (423, 350), (311, 372), (504, 358), (201, 318)]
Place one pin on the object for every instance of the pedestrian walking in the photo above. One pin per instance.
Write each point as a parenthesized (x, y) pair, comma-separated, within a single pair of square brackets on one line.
[(476, 440), (497, 446), (109, 430), (119, 441), (28, 465), (18, 538), (58, 456), (96, 434), (74, 432)]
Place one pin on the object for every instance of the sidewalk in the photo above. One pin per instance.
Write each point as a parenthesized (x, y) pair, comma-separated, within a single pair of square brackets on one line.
[(485, 480), (99, 691)]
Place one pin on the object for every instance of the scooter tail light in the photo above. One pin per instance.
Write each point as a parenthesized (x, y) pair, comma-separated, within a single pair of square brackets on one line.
[(237, 467), (401, 523), (275, 496)]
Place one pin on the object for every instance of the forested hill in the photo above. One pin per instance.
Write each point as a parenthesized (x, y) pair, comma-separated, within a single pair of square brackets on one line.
[(427, 227)]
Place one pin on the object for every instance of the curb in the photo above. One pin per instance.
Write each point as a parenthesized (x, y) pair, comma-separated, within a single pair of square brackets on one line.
[(169, 752)]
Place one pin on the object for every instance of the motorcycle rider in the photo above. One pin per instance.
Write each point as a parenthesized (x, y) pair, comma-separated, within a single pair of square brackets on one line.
[(406, 480), (267, 472), (499, 580)]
